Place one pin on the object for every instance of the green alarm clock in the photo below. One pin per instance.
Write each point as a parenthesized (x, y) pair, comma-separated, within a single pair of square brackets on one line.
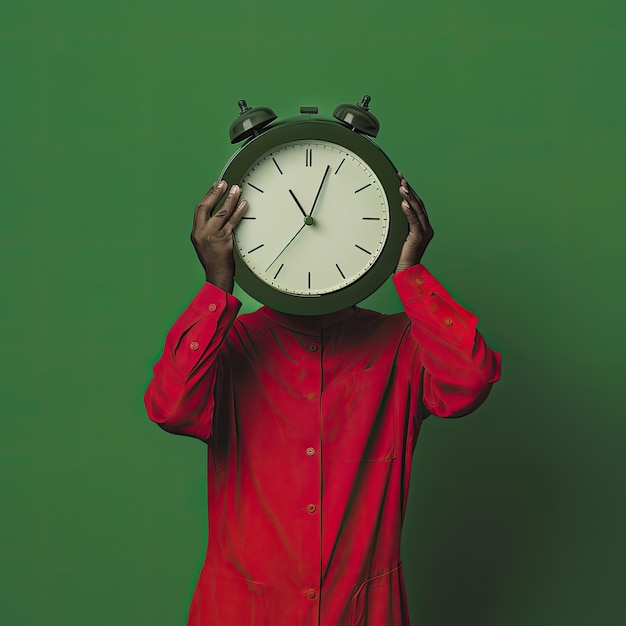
[(324, 227)]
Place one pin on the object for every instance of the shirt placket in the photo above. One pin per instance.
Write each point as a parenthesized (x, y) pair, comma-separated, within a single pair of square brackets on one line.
[(311, 456)]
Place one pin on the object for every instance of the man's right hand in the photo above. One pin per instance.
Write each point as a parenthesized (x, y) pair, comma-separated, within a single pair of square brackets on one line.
[(212, 234)]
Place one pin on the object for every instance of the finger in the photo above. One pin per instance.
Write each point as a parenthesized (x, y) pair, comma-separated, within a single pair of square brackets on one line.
[(237, 214), (407, 199), (407, 192), (208, 203), (411, 216), (404, 182), (223, 214), (411, 198), (421, 211), (416, 203)]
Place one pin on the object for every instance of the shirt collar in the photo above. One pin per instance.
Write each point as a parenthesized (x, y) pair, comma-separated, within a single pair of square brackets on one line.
[(307, 324)]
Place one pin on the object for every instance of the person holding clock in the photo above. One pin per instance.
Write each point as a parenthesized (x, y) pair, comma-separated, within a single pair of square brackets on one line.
[(310, 422)]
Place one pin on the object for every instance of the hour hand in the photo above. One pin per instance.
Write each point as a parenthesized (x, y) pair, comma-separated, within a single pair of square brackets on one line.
[(293, 195)]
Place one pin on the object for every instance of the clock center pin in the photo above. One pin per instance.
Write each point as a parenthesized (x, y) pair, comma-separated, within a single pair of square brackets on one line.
[(308, 220)]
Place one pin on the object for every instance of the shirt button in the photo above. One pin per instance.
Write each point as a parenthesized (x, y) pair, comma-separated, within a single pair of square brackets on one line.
[(313, 348), (212, 307), (311, 396), (311, 508), (310, 451), (311, 594), (419, 281), (194, 345), (448, 321)]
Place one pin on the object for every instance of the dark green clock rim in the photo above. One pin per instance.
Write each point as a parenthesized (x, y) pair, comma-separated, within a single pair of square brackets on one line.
[(377, 160)]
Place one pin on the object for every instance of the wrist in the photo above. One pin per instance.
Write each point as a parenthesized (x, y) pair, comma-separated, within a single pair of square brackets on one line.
[(225, 281), (403, 265)]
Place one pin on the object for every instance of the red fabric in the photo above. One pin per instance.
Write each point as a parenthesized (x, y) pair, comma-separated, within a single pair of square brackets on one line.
[(310, 425)]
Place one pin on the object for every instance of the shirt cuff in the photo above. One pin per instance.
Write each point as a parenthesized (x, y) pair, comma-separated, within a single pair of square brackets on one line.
[(427, 302), (212, 299), (208, 316)]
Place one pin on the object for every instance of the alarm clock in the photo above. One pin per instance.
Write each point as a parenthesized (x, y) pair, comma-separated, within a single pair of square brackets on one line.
[(324, 227)]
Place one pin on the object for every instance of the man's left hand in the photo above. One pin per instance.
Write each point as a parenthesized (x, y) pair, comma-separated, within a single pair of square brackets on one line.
[(420, 230)]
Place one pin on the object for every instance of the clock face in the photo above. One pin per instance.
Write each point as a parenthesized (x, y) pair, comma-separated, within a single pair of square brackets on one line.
[(317, 221)]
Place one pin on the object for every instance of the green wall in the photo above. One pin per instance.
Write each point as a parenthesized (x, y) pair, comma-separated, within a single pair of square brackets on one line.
[(507, 117)]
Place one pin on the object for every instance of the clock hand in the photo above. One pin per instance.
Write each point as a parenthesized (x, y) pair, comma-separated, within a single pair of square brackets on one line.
[(320, 189), (288, 243), (299, 205)]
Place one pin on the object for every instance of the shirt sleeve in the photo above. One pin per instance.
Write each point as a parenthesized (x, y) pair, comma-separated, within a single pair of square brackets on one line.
[(454, 366), (181, 395)]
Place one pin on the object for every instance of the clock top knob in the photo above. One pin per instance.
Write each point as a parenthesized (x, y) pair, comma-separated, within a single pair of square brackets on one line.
[(250, 121), (358, 117)]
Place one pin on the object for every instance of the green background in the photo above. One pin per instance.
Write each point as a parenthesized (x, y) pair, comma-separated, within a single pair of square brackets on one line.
[(507, 117)]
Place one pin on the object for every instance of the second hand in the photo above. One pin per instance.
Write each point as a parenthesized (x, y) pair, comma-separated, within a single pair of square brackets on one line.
[(306, 223)]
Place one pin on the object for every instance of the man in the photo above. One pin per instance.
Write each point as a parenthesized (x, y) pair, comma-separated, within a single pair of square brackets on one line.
[(310, 425)]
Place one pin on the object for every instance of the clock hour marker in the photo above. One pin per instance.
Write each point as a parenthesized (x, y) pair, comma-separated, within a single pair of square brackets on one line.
[(245, 217), (364, 250), (364, 187), (253, 249), (339, 166), (342, 274), (309, 280), (371, 218), (253, 187), (278, 271), (276, 164), (309, 157)]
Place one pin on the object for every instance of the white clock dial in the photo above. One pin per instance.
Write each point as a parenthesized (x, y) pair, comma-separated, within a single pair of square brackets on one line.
[(317, 220)]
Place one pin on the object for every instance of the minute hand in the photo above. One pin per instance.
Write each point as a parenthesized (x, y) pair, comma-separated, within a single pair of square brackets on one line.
[(319, 190)]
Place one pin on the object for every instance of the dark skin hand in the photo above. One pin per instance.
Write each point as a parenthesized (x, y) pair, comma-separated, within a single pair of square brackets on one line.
[(420, 230), (212, 235)]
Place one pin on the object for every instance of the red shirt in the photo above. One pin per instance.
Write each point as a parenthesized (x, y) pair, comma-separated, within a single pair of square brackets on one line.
[(310, 425)]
